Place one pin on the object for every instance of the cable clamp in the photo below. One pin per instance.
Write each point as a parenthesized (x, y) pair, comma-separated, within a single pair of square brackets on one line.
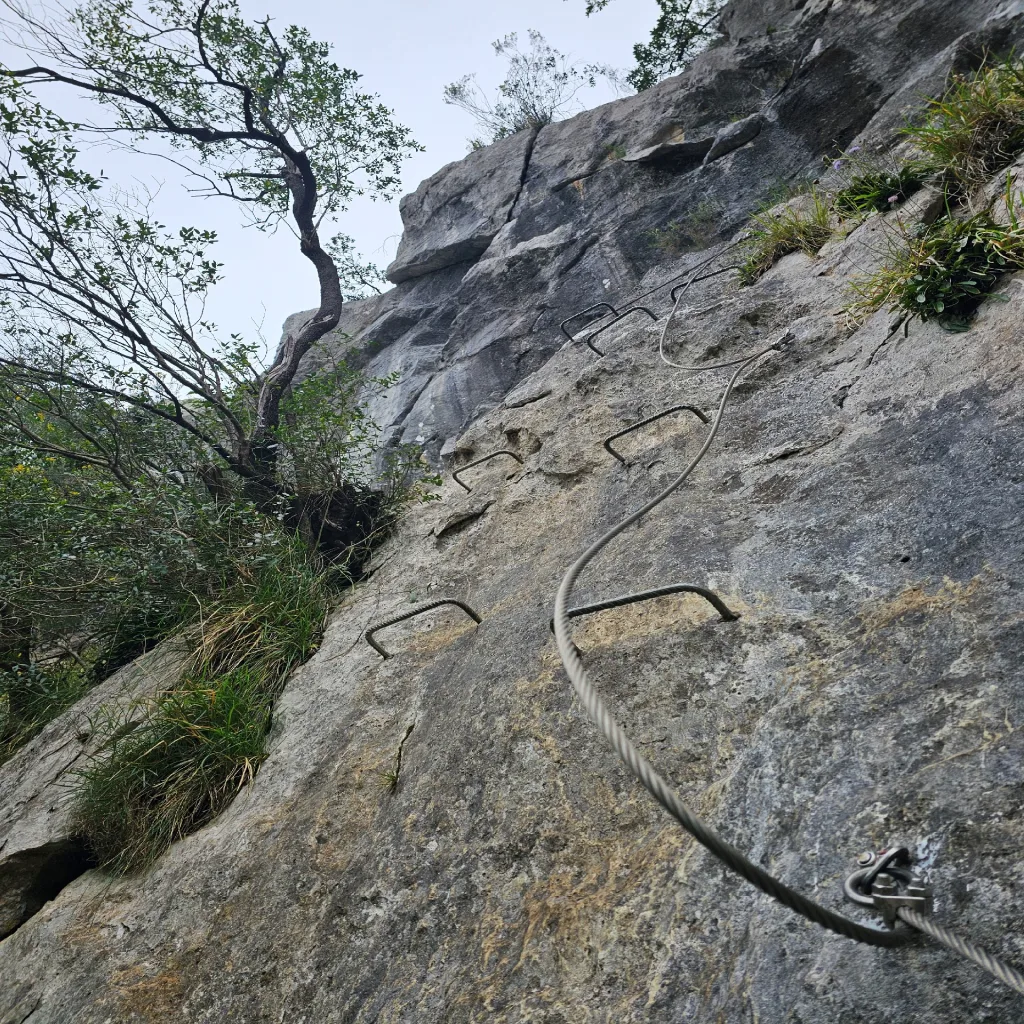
[(788, 337), (886, 882)]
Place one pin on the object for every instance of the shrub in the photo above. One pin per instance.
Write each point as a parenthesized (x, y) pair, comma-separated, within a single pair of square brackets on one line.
[(977, 127), (879, 191), (800, 227), (539, 87), (100, 572), (172, 762), (945, 271)]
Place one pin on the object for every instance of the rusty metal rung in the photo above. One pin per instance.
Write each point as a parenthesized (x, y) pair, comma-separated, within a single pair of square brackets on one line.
[(584, 312), (589, 339), (643, 423), (418, 610), (501, 451), (726, 613)]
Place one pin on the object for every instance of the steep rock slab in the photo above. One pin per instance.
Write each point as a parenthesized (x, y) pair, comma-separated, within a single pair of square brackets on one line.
[(455, 213), (861, 509)]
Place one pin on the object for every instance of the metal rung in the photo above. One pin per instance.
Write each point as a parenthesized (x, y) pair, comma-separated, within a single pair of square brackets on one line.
[(502, 451), (584, 312), (727, 614), (418, 610), (643, 423), (611, 323)]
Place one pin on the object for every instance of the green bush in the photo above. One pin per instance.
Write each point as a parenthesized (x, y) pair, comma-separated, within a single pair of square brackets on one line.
[(103, 568), (796, 228), (976, 128), (945, 271)]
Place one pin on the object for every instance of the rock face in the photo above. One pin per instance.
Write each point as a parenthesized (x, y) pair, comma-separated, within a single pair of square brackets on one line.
[(499, 248), (455, 214), (39, 853), (861, 509)]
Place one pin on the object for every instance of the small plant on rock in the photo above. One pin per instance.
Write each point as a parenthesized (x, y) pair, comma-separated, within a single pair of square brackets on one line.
[(697, 230), (803, 226), (539, 87), (976, 128), (945, 271)]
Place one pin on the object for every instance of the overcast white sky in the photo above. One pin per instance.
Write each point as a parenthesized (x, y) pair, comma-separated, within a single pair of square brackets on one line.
[(407, 51)]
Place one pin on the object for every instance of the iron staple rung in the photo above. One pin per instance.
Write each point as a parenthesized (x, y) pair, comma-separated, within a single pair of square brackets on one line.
[(689, 272), (727, 614), (589, 339), (643, 423), (583, 312), (418, 610), (501, 451)]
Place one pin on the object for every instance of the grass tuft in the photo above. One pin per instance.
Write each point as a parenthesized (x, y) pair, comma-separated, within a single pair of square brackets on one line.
[(697, 230), (878, 191), (976, 128), (172, 762), (800, 227)]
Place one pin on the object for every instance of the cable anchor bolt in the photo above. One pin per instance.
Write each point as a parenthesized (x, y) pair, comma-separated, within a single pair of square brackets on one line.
[(886, 882)]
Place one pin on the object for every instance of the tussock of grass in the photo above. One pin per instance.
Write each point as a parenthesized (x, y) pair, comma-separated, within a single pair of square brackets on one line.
[(878, 191), (33, 695), (976, 128), (803, 227), (174, 761), (945, 271)]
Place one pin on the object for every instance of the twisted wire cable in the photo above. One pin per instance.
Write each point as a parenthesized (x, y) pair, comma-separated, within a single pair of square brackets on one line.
[(668, 323), (642, 769), (996, 967), (691, 271)]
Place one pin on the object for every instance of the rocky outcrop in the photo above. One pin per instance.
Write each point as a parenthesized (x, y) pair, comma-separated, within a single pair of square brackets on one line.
[(39, 851), (454, 215), (499, 248), (860, 510)]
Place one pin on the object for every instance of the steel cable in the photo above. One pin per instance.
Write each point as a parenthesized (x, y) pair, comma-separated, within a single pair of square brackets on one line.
[(668, 323), (657, 786), (1002, 971), (642, 769), (693, 279)]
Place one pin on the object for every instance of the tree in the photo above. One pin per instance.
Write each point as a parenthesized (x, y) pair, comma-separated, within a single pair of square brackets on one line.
[(99, 299), (540, 87), (682, 30)]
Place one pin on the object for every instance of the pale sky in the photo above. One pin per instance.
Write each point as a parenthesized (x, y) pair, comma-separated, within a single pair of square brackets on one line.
[(407, 52)]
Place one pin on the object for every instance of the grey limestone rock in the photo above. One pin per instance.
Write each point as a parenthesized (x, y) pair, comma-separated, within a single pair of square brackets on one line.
[(455, 213), (502, 246), (861, 509), (39, 852)]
